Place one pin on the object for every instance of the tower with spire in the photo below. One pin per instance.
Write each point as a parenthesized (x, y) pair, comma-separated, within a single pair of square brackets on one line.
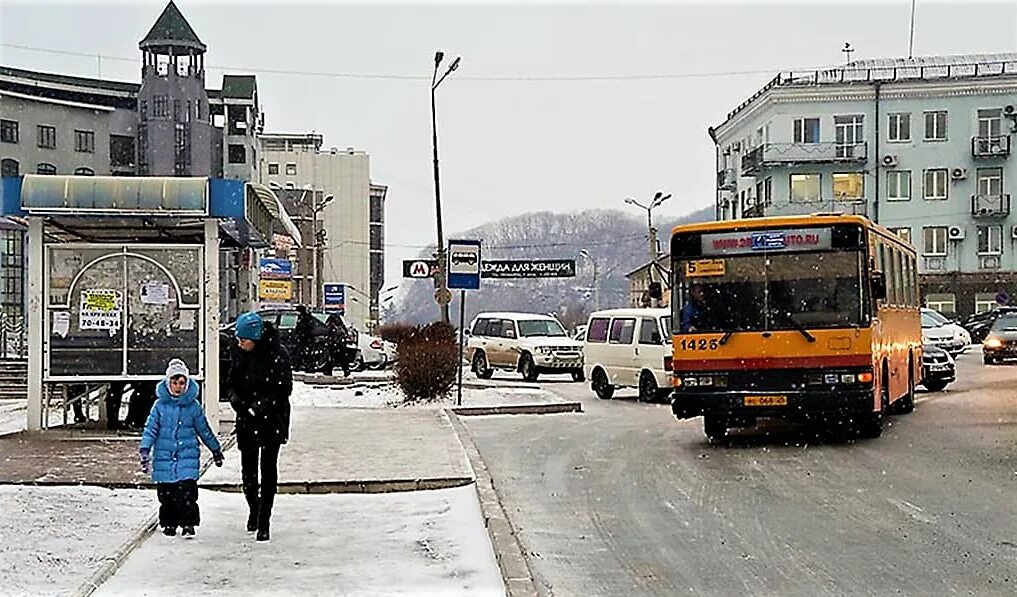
[(174, 120)]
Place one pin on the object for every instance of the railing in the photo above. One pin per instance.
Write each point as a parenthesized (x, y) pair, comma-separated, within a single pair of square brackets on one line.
[(990, 206), (13, 337), (990, 147), (802, 153)]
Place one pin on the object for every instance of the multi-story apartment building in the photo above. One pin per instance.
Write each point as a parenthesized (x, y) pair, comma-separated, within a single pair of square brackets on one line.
[(169, 124), (298, 161), (922, 146), (377, 222)]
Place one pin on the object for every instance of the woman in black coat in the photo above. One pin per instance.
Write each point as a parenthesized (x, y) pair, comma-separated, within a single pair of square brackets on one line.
[(260, 384)]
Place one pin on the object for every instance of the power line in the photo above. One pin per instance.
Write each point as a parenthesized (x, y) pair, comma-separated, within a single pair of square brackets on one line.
[(613, 241), (409, 77)]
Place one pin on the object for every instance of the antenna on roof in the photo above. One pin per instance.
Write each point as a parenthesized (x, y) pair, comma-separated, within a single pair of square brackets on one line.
[(848, 50), (911, 41)]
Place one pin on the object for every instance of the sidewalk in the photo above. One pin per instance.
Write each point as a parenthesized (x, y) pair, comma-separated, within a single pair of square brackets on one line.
[(361, 449), (413, 543)]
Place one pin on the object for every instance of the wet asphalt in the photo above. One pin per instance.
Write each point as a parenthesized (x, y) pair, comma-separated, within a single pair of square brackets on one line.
[(625, 500)]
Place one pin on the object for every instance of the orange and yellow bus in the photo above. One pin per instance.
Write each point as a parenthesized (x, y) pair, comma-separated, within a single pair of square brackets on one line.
[(801, 317)]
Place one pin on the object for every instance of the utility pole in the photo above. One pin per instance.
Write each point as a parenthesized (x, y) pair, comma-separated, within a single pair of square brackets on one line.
[(596, 279), (442, 295), (658, 199)]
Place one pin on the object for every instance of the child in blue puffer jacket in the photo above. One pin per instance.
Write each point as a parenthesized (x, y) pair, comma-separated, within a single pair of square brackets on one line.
[(170, 445)]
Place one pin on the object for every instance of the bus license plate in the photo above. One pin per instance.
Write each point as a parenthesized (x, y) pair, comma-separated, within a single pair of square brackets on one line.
[(766, 401)]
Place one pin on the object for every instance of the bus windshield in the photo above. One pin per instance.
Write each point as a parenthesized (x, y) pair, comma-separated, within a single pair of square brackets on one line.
[(775, 291)]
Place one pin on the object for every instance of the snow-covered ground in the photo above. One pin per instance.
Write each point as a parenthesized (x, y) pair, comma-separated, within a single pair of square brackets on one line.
[(389, 395), (416, 543), (14, 416), (53, 538)]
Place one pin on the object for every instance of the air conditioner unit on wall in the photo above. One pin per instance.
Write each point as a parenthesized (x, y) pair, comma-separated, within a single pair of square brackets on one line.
[(959, 173), (890, 161), (1009, 110), (1013, 232), (955, 233)]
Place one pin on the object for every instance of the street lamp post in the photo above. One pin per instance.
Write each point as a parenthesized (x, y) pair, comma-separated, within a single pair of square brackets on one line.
[(658, 199), (596, 279), (441, 282), (315, 210)]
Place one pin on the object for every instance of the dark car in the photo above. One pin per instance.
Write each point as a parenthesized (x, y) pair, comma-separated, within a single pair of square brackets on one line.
[(324, 355), (939, 368), (1001, 341), (979, 324)]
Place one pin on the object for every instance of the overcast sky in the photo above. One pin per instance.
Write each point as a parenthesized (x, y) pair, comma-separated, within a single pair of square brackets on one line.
[(518, 145)]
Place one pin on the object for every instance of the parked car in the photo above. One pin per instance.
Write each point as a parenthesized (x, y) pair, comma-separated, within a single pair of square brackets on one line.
[(939, 368), (525, 342), (937, 334), (979, 324), (1001, 342), (629, 348), (961, 335), (373, 352), (322, 351)]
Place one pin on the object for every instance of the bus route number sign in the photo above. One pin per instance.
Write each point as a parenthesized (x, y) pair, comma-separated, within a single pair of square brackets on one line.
[(704, 268)]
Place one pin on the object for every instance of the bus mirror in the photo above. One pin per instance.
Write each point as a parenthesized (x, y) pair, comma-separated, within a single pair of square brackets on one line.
[(656, 291), (879, 286)]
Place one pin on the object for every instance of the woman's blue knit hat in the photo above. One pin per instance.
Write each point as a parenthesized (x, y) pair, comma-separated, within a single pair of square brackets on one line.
[(250, 326)]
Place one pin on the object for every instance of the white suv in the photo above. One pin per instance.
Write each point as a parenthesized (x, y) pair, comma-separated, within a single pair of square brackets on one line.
[(525, 342)]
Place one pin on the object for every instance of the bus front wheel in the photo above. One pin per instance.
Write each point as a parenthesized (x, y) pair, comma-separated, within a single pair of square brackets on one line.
[(871, 424)]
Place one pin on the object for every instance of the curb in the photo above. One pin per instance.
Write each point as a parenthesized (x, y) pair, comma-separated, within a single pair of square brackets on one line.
[(519, 409), (372, 486), (140, 535), (323, 380), (508, 551)]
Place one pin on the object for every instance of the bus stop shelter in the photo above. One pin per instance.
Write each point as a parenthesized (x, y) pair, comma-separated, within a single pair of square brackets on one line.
[(123, 275)]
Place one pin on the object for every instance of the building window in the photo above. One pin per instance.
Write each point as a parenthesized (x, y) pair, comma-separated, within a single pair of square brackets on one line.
[(160, 106), (84, 172), (291, 169), (768, 191), (84, 141), (10, 167), (273, 169), (9, 131), (898, 185), (985, 301), (121, 151), (805, 188), (943, 302), (849, 133), (237, 154), (903, 233), (934, 241), (849, 186), (990, 123), (46, 136), (377, 237), (899, 128), (990, 240), (935, 126), (990, 181), (806, 130), (936, 184), (44, 168)]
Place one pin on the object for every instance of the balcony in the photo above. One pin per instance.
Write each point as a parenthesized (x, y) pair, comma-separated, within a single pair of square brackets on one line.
[(726, 179), (990, 147), (990, 206), (789, 154)]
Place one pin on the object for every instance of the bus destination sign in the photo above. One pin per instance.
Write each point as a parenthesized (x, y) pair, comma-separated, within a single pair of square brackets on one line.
[(756, 241)]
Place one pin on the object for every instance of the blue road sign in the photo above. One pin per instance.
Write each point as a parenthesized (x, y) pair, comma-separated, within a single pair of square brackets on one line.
[(335, 297), (464, 264)]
